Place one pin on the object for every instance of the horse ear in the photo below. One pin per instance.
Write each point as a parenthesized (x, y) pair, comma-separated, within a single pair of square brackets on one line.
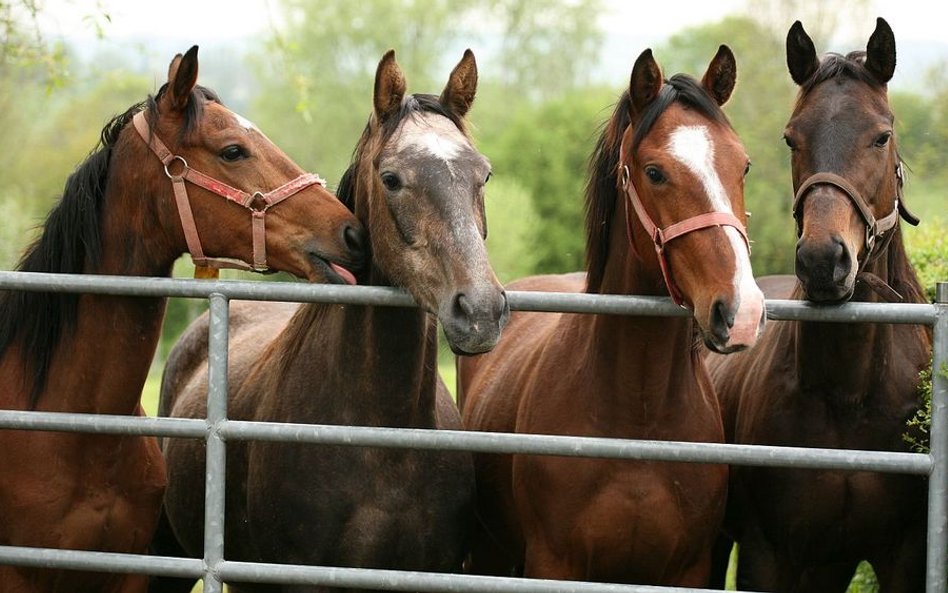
[(646, 81), (721, 75), (389, 87), (182, 76), (880, 52), (458, 94), (801, 54)]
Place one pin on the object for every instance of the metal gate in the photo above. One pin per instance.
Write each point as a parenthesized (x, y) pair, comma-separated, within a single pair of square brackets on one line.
[(217, 429)]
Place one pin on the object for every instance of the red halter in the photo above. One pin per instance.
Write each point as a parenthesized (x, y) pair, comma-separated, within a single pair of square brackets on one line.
[(248, 201), (661, 237)]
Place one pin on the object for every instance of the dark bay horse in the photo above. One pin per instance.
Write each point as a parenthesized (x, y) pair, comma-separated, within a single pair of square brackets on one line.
[(90, 353), (667, 155), (417, 184), (833, 385)]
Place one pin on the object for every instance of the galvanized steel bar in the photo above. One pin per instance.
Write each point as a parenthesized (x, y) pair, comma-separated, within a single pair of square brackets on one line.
[(101, 561), (937, 578), (385, 296), (572, 446), (101, 424), (216, 455), (397, 580)]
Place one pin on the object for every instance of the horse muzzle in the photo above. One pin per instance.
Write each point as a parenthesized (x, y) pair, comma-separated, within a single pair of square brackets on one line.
[(474, 318)]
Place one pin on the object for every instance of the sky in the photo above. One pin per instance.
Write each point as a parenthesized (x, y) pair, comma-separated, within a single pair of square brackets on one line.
[(918, 25)]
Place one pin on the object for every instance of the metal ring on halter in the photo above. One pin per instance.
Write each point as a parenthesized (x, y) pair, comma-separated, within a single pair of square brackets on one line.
[(184, 171), (253, 200)]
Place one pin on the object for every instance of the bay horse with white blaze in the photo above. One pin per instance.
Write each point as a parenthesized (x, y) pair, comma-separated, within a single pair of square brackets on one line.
[(666, 179), (122, 213), (417, 184), (833, 385)]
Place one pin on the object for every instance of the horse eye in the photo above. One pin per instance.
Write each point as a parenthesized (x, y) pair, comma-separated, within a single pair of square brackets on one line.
[(391, 181), (883, 139), (233, 153), (789, 142), (747, 169), (654, 175), (489, 175)]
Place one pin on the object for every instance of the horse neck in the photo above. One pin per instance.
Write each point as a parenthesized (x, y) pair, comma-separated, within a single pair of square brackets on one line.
[(378, 365), (647, 355), (102, 365), (867, 346)]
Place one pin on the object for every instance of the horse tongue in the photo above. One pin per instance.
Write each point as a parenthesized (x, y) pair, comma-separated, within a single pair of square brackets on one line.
[(344, 273)]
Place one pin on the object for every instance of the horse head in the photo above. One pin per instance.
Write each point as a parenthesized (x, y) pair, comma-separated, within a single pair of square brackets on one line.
[(421, 194), (847, 174), (682, 168), (233, 194)]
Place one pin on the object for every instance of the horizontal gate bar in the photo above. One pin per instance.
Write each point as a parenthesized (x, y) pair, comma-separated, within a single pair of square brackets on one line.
[(101, 561), (481, 442), (397, 580), (386, 296), (102, 424), (358, 578)]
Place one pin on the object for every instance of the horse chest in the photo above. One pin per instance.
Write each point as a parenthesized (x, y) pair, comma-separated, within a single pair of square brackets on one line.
[(91, 493), (371, 507)]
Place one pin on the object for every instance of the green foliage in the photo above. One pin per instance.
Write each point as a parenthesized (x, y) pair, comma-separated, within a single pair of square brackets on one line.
[(511, 219), (927, 247), (546, 149), (864, 581)]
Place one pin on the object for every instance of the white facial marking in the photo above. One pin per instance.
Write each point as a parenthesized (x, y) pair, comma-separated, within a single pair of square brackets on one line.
[(244, 122), (432, 134), (693, 147)]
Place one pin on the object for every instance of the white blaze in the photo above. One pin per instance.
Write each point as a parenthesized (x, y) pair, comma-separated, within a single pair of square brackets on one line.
[(693, 147), (244, 122)]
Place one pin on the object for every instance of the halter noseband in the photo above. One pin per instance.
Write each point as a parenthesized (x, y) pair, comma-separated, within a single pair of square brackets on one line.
[(248, 201), (662, 236), (875, 228)]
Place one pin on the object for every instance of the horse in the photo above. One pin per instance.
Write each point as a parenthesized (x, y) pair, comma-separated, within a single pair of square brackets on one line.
[(833, 385), (122, 212), (417, 183), (664, 216)]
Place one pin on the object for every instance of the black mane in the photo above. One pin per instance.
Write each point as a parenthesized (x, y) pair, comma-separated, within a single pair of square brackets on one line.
[(834, 65), (601, 189), (70, 243)]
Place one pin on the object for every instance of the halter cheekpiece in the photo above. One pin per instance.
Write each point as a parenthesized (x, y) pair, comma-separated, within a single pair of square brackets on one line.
[(178, 171)]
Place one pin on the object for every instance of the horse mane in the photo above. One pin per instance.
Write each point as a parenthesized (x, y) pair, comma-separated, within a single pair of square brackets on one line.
[(71, 243), (834, 65), (902, 277), (602, 187)]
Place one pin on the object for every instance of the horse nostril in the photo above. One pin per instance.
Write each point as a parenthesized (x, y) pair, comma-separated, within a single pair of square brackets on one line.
[(355, 239), (843, 263), (722, 320), (462, 307)]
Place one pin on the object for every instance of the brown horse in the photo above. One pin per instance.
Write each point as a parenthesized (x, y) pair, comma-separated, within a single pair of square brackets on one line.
[(417, 183), (91, 353), (833, 385), (669, 154)]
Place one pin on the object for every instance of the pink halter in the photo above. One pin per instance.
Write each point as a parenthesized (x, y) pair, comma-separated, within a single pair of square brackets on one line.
[(248, 201), (661, 237)]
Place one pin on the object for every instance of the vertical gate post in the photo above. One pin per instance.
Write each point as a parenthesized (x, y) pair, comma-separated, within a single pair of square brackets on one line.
[(215, 453), (937, 579)]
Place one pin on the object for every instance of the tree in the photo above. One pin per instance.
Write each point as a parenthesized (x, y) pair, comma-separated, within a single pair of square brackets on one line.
[(546, 149)]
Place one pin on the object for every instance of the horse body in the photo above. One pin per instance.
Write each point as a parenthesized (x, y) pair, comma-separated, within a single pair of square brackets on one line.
[(833, 385), (616, 376), (355, 365), (91, 353)]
